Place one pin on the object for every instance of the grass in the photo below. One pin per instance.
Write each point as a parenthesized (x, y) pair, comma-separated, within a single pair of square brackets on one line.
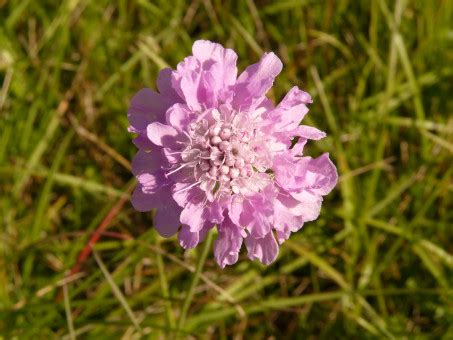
[(377, 263)]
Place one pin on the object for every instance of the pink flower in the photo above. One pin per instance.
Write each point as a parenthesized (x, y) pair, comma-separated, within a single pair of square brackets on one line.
[(215, 151)]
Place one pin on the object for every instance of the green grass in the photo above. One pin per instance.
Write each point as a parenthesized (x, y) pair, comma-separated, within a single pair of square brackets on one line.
[(378, 262)]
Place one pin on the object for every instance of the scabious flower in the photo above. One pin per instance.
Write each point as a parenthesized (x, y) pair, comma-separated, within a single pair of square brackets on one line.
[(215, 151)]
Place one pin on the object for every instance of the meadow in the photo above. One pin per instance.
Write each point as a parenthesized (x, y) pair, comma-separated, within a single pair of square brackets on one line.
[(378, 263)]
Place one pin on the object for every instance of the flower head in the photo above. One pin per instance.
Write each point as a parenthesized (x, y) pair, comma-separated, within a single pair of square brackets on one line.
[(215, 151)]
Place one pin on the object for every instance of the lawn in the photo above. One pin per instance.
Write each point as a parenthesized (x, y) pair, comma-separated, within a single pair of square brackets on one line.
[(378, 263)]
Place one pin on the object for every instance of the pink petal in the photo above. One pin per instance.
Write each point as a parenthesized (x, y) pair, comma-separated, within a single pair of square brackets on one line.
[(142, 141), (166, 220), (284, 169), (147, 162), (215, 211), (310, 205), (260, 217), (228, 244), (150, 183), (295, 97), (292, 109), (287, 216), (192, 215), (165, 87), (309, 132), (144, 202), (321, 175), (255, 213), (188, 239), (186, 81), (179, 116), (206, 91), (149, 104), (256, 80), (209, 52), (195, 85), (161, 134), (263, 249), (184, 197)]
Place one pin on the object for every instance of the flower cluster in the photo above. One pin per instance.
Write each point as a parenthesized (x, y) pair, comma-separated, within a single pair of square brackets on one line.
[(215, 151)]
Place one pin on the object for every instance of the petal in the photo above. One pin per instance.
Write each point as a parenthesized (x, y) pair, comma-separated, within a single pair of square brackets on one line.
[(206, 94), (288, 114), (165, 87), (147, 162), (310, 205), (309, 132), (150, 183), (215, 212), (258, 217), (161, 134), (188, 239), (287, 216), (143, 111), (284, 167), (186, 81), (264, 249), (207, 77), (184, 196), (143, 202), (256, 80), (166, 220), (255, 213), (139, 121), (142, 141), (292, 205), (228, 244), (147, 104), (235, 209), (295, 97), (242, 213), (192, 215), (328, 170), (179, 116), (208, 52), (318, 175)]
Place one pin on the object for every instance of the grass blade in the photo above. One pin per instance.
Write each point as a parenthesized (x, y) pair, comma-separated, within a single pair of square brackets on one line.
[(67, 308), (195, 279), (117, 292)]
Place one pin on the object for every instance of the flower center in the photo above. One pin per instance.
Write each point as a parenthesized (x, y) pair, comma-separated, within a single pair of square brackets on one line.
[(220, 154), (229, 154)]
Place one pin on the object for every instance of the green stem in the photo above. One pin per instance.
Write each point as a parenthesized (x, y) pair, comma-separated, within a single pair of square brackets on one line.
[(164, 286), (195, 279)]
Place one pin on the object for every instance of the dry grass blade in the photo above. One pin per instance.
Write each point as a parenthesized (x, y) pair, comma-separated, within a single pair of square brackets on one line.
[(117, 292), (81, 131)]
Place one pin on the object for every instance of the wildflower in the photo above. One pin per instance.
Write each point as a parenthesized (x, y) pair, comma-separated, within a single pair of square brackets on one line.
[(215, 151)]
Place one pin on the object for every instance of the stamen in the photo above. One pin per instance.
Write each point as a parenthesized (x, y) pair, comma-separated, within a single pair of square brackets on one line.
[(177, 169), (187, 135), (188, 187)]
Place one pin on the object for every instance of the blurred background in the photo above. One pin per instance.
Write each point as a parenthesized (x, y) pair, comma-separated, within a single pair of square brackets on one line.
[(378, 262)]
